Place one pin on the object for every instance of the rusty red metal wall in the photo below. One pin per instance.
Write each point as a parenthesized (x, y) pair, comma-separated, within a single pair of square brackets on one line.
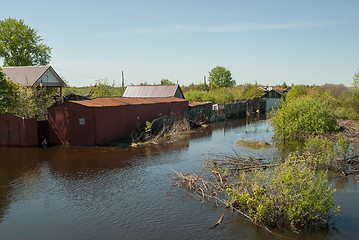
[(17, 131), (82, 128), (71, 123), (58, 124), (118, 122)]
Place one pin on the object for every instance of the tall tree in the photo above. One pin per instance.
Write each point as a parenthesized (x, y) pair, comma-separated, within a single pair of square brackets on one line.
[(221, 77), (20, 45)]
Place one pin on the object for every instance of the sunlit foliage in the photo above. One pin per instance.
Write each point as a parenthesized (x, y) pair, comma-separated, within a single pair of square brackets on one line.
[(8, 93), (20, 45), (304, 116), (291, 194), (220, 77)]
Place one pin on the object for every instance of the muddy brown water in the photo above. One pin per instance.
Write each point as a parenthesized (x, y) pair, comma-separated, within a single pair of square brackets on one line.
[(73, 192)]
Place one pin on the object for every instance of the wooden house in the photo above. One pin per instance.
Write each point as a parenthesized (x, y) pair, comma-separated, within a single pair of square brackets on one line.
[(42, 76)]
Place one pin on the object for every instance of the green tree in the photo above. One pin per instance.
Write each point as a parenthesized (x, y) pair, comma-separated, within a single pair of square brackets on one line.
[(101, 89), (165, 81), (8, 93), (20, 45), (33, 102), (221, 77)]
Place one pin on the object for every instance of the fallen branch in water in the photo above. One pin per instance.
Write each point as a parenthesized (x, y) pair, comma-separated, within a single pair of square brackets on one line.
[(219, 221)]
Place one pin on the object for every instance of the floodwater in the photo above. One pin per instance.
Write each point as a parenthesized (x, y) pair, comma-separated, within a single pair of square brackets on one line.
[(73, 192)]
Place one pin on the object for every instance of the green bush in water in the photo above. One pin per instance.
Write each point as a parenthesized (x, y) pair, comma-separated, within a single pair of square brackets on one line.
[(292, 195), (303, 116), (323, 153)]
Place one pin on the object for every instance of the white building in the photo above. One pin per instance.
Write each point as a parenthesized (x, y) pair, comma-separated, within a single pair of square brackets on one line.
[(44, 76)]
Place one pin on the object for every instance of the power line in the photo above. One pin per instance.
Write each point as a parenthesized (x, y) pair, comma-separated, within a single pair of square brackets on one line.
[(80, 74)]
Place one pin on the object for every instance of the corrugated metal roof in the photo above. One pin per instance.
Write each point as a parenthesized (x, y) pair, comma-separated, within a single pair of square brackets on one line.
[(120, 101), (28, 75), (145, 91)]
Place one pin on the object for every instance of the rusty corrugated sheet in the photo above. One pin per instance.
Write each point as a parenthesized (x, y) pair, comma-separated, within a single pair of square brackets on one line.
[(194, 104), (121, 101)]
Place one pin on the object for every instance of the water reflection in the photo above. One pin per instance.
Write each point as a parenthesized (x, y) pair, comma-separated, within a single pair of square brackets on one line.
[(67, 192), (14, 165)]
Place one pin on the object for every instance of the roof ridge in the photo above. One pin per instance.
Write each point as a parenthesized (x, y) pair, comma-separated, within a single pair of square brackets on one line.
[(27, 66)]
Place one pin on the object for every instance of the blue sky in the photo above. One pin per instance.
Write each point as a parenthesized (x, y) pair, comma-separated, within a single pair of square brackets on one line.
[(271, 42)]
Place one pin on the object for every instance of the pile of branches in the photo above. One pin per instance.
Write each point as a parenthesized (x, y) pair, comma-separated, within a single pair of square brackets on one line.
[(350, 165), (226, 171), (205, 187), (211, 188), (235, 164), (170, 129)]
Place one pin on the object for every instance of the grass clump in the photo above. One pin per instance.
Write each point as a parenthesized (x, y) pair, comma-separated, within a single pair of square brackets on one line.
[(256, 145)]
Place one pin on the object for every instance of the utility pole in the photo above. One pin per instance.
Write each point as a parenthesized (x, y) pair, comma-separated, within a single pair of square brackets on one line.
[(205, 84), (123, 81)]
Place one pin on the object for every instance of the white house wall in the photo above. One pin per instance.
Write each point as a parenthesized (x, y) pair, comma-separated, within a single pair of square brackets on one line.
[(48, 79)]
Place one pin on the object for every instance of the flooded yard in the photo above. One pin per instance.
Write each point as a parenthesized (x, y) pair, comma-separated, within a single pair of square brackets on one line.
[(75, 192)]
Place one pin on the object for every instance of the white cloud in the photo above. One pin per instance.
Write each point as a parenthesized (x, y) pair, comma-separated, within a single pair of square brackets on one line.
[(231, 28)]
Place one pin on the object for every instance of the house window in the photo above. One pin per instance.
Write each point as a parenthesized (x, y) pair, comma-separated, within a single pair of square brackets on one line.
[(82, 121)]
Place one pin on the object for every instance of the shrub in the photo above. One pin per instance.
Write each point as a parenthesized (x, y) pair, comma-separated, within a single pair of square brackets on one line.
[(291, 194), (251, 91), (33, 101), (220, 95), (338, 97), (304, 116), (323, 153), (296, 92)]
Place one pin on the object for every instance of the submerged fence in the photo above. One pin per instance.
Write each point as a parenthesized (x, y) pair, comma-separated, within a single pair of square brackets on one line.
[(221, 112)]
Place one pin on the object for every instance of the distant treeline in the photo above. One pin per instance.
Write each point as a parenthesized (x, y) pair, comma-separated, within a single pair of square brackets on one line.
[(193, 92)]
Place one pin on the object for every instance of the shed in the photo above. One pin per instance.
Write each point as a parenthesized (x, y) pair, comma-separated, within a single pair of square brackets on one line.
[(274, 98), (34, 76), (149, 91), (103, 120), (276, 93)]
